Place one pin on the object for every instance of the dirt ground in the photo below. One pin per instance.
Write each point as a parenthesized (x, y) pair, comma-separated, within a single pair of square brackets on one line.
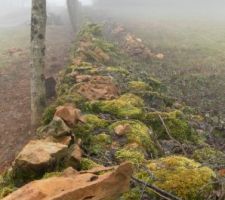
[(15, 90)]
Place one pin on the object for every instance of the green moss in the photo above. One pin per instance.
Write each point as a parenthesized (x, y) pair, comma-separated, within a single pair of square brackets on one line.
[(156, 99), (137, 133), (86, 130), (135, 156), (126, 106), (48, 114), (92, 123), (176, 124), (73, 98), (91, 29), (62, 89), (5, 191), (105, 45), (138, 85), (7, 184), (133, 194), (51, 174), (210, 157), (182, 177), (84, 69), (100, 143), (117, 70), (154, 83), (87, 164)]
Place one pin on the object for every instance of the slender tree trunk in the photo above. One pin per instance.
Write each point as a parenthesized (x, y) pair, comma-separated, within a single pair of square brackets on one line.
[(38, 31), (73, 7)]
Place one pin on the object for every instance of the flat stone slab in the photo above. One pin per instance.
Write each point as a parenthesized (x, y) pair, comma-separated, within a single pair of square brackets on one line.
[(79, 186)]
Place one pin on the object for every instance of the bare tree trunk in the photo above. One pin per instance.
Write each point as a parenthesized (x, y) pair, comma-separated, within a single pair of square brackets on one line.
[(73, 7), (38, 31)]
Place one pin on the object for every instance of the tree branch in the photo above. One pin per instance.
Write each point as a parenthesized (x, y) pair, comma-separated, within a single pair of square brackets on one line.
[(157, 190)]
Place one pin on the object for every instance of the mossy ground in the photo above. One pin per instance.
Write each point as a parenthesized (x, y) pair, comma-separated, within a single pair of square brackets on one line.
[(210, 157), (176, 124), (175, 174)]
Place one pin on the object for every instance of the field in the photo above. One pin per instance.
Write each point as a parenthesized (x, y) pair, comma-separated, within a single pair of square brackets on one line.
[(194, 63)]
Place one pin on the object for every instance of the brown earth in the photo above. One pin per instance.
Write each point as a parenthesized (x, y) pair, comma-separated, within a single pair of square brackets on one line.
[(15, 91)]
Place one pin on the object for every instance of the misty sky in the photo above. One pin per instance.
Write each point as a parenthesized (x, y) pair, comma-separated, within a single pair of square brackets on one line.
[(62, 2), (86, 2)]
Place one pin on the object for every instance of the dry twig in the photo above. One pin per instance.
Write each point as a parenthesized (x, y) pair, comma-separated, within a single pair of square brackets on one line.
[(170, 136), (162, 193)]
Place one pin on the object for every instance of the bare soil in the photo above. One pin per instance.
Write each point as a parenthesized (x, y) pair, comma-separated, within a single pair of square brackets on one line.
[(15, 90)]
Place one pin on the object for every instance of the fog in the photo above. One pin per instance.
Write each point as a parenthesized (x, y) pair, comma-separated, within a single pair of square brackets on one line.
[(17, 12), (167, 8)]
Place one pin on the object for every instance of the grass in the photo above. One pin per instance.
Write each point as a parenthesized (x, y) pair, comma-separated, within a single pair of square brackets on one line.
[(194, 64)]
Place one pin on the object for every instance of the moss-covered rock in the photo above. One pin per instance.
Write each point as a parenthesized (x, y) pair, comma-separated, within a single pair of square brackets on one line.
[(93, 125), (87, 164), (182, 177), (177, 125), (126, 106), (137, 133), (135, 156), (210, 157), (56, 128), (74, 99)]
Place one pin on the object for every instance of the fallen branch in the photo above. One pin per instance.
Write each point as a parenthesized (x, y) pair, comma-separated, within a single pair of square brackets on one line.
[(164, 194), (170, 136)]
